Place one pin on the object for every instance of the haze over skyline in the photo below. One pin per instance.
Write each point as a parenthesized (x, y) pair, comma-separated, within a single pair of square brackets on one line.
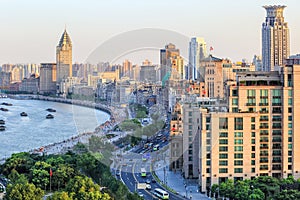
[(31, 29)]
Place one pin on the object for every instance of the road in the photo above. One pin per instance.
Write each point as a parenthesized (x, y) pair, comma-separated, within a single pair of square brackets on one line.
[(130, 174)]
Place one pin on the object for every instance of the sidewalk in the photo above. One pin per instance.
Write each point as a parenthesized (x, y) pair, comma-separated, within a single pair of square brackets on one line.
[(184, 187)]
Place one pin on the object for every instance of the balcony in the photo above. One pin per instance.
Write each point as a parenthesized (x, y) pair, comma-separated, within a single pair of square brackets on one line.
[(276, 127), (263, 126), (263, 119), (263, 104), (276, 104)]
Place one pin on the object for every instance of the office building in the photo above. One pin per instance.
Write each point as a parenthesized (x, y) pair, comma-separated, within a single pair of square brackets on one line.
[(275, 38), (64, 58), (48, 78), (197, 52)]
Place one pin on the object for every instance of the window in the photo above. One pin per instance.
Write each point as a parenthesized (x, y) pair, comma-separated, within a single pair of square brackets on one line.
[(264, 93), (252, 134), (252, 155), (290, 125), (238, 141), (252, 162), (290, 101), (223, 162), (208, 162), (190, 113), (252, 141), (223, 149), (238, 163), (223, 123), (235, 102), (223, 170), (190, 127), (223, 141), (238, 148), (238, 155), (190, 120), (207, 126), (250, 93), (290, 132), (276, 93), (290, 93), (290, 118), (223, 156), (238, 134), (252, 119), (223, 134), (238, 170), (252, 126), (238, 123)]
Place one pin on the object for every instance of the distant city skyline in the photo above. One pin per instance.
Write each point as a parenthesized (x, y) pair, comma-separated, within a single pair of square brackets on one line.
[(30, 29)]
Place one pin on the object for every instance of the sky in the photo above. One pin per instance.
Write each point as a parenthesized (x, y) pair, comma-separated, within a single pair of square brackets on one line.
[(30, 29)]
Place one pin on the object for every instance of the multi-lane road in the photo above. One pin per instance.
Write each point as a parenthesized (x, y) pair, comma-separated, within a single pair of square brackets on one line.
[(129, 172)]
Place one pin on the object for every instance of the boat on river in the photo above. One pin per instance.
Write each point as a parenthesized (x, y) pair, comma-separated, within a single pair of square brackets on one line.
[(49, 116), (23, 114), (50, 110), (2, 128)]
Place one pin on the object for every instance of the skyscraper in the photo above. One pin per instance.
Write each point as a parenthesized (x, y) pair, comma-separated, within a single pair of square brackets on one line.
[(64, 58), (166, 55), (197, 52), (275, 38)]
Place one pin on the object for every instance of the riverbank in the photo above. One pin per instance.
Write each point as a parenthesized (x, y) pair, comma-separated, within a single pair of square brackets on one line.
[(117, 115)]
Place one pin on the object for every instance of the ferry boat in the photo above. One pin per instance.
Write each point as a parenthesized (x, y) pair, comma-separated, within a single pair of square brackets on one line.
[(50, 110), (6, 104), (49, 116), (23, 114), (4, 109), (2, 128), (2, 121)]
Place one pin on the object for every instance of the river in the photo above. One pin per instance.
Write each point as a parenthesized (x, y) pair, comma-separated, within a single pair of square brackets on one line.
[(34, 131)]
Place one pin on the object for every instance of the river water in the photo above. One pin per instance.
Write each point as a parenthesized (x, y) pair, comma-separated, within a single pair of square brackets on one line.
[(34, 131)]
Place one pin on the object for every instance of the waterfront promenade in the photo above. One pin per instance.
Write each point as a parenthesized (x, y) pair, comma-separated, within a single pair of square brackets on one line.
[(117, 115)]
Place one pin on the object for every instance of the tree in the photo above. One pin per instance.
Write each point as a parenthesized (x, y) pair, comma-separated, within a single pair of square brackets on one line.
[(21, 162), (40, 174), (60, 196), (287, 195), (84, 188), (268, 185), (141, 114), (155, 117), (227, 189), (26, 191)]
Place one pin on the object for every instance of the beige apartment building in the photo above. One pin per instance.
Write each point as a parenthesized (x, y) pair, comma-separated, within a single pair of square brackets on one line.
[(256, 136)]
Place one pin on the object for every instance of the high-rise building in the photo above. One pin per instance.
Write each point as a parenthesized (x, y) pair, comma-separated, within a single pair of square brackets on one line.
[(64, 58), (148, 72), (126, 69), (275, 38), (166, 55), (197, 52), (48, 78)]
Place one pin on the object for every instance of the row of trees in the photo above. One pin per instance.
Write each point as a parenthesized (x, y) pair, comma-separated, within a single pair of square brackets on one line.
[(83, 173), (260, 188)]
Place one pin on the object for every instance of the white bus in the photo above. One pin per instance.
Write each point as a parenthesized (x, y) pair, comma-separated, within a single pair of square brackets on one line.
[(161, 193)]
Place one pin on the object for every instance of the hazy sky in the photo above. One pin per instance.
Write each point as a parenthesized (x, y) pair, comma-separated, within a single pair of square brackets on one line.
[(31, 29)]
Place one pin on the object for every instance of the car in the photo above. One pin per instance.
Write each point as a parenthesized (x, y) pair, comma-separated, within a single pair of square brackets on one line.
[(118, 173), (148, 187), (140, 194), (148, 181), (153, 180)]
